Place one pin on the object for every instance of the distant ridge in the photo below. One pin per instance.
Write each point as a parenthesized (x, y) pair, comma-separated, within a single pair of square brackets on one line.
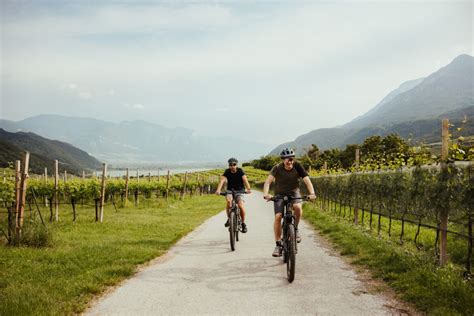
[(136, 141), (43, 153), (414, 108)]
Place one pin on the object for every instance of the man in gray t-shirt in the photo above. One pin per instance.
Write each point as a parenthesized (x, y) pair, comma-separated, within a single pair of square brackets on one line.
[(286, 176)]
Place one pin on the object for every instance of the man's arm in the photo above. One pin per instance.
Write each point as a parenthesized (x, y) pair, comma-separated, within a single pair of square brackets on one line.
[(266, 186), (309, 186), (221, 183), (246, 183)]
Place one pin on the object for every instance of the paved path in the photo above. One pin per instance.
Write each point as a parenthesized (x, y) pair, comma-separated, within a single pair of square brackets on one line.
[(200, 275)]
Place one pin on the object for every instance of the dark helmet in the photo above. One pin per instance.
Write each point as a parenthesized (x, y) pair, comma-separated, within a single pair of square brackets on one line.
[(287, 153), (232, 160)]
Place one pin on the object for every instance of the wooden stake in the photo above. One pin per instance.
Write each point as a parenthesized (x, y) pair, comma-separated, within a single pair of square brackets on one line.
[(167, 185), (137, 191), (149, 176), (184, 184), (83, 175), (56, 193), (443, 241), (127, 177), (102, 192), (356, 215), (17, 190), (65, 176), (24, 180), (46, 182)]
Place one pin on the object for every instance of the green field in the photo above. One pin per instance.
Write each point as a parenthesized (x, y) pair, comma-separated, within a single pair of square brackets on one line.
[(86, 257)]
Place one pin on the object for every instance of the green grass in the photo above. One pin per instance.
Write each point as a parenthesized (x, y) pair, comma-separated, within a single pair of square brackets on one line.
[(86, 257), (412, 273)]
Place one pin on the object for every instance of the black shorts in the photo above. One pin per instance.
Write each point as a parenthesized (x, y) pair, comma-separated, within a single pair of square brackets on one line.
[(278, 204), (238, 197)]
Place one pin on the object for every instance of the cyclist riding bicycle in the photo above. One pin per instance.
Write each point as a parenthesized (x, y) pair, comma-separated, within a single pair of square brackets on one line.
[(236, 179), (286, 175)]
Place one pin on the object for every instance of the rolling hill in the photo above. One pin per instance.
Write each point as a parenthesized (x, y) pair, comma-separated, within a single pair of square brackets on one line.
[(43, 153)]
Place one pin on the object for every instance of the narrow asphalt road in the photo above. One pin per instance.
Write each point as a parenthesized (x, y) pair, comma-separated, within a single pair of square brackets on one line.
[(201, 275)]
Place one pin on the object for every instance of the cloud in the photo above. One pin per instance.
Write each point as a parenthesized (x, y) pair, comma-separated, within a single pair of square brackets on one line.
[(85, 95), (138, 106)]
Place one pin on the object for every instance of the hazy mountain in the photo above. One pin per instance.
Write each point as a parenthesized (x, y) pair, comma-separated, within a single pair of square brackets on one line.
[(43, 153), (136, 141), (449, 89)]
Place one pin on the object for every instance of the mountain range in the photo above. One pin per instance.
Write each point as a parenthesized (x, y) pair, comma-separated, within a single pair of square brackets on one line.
[(135, 141), (413, 110)]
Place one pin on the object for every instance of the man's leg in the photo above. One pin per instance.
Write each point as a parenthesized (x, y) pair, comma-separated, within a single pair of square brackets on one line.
[(277, 232), (277, 227), (298, 211), (228, 205), (242, 210)]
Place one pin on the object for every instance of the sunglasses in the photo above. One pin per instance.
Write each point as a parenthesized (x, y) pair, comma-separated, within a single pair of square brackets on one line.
[(232, 164)]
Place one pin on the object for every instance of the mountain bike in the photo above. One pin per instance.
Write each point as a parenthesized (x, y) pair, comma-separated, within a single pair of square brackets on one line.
[(289, 245), (235, 221)]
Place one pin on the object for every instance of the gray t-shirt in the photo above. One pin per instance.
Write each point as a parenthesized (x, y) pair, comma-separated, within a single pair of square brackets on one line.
[(286, 181)]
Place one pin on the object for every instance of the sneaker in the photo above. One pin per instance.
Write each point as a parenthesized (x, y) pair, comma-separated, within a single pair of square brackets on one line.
[(227, 224), (244, 228), (277, 251), (298, 236)]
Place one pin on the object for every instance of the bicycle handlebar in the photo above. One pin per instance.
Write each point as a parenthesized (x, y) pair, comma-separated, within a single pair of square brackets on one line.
[(288, 198), (232, 192)]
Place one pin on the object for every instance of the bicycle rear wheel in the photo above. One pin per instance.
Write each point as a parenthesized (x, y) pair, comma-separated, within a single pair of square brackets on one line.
[(232, 228), (291, 249)]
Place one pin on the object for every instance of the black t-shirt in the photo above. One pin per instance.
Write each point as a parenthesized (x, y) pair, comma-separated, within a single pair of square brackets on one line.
[(234, 180)]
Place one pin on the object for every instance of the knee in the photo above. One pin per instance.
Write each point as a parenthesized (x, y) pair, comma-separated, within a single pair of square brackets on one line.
[(278, 217)]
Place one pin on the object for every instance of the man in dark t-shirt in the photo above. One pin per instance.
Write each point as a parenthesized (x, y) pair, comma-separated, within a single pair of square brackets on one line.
[(236, 181), (286, 176)]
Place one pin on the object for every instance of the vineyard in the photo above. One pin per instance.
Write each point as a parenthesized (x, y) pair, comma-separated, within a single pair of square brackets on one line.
[(403, 204), (43, 196)]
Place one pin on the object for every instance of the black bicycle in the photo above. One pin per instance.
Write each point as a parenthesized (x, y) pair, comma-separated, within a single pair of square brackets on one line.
[(289, 245), (235, 221)]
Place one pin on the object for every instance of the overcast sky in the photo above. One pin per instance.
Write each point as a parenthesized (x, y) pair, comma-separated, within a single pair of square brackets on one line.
[(266, 71)]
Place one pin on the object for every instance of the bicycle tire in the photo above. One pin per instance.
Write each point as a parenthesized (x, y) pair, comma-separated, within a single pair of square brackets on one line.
[(291, 248), (284, 244), (232, 226)]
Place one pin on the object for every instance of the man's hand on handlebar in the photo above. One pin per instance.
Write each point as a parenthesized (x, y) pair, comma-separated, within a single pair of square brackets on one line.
[(268, 197), (311, 197), (218, 192), (248, 191)]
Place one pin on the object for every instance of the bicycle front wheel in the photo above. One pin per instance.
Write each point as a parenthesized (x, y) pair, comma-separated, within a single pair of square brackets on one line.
[(232, 229), (291, 249)]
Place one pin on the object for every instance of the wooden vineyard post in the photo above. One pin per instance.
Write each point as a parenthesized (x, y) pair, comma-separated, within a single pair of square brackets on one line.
[(46, 182), (199, 183), (357, 157), (56, 193), (356, 216), (102, 192), (65, 176), (127, 178), (325, 167), (83, 175), (149, 176), (17, 191), (158, 175), (185, 181), (136, 191), (443, 242), (23, 184), (167, 185)]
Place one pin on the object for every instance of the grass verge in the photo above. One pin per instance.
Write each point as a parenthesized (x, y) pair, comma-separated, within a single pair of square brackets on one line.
[(411, 273), (86, 257)]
